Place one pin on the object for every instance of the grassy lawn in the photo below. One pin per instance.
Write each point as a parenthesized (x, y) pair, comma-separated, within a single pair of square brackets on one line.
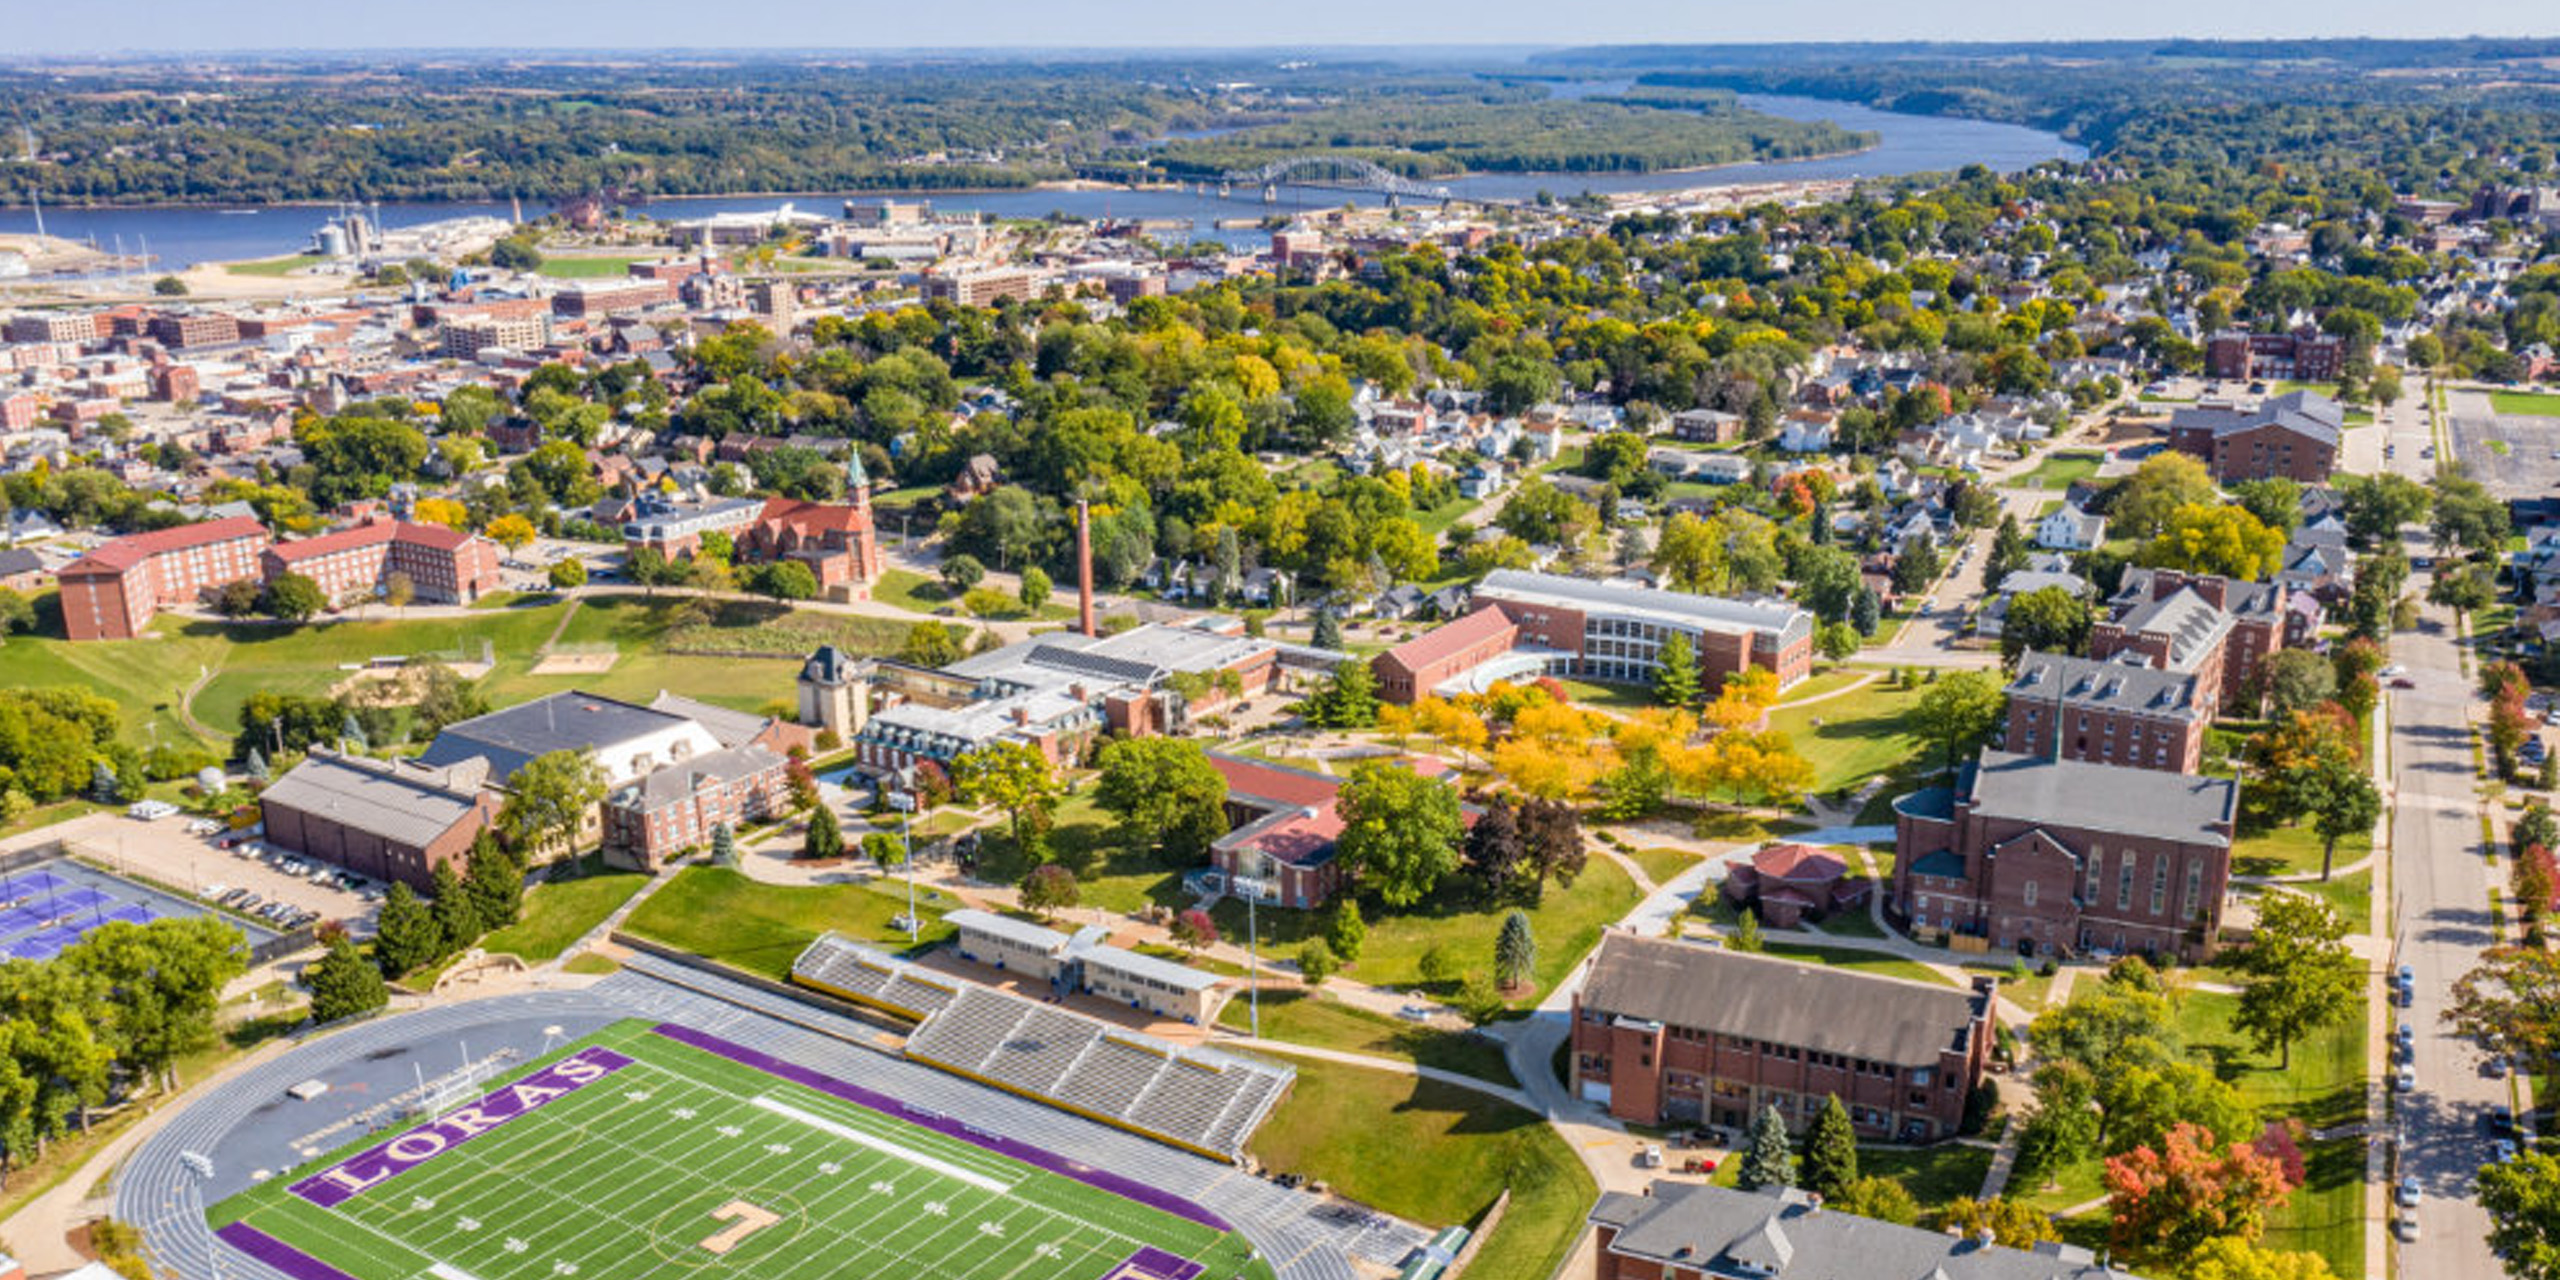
[(2062, 470), (590, 267), (559, 912), (2292, 850), (1852, 737), (1567, 924), (1822, 683), (1744, 828), (1312, 1018), (907, 589), (1610, 697), (2323, 1088), (2538, 404), (1437, 1154), (1883, 964), (1661, 865), (1437, 520), (719, 913), (2501, 448), (1933, 1175), (1109, 874), (272, 267)]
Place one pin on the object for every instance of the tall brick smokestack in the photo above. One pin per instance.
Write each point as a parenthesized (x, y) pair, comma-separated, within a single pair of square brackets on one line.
[(1084, 569)]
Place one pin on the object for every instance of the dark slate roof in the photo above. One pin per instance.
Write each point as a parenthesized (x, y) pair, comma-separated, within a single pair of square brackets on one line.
[(1783, 1234), (571, 720), (2097, 797), (731, 728), (2106, 685), (829, 665), (681, 779), (1944, 863), (2305, 413), (1760, 997)]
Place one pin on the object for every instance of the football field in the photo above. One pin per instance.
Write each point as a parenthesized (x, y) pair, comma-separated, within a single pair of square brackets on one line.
[(652, 1151)]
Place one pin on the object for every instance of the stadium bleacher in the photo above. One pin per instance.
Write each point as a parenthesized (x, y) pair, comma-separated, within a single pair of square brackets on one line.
[(1194, 1098)]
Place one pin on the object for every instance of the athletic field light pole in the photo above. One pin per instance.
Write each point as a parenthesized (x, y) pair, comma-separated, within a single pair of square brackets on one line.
[(1253, 964), (905, 804)]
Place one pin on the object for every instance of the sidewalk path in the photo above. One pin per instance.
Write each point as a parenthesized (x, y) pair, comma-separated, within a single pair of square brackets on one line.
[(1398, 1066)]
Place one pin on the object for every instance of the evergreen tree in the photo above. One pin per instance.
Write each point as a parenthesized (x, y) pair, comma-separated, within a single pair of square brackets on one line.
[(1830, 1151), (494, 880), (406, 936), (1746, 931), (256, 766), (1767, 1160), (826, 839), (1344, 930), (1676, 682), (1348, 700), (724, 845), (1866, 611), (350, 731), (1515, 952), (457, 916), (344, 984), (1328, 631)]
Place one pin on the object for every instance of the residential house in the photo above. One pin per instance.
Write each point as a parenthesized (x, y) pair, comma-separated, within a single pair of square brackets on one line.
[(2068, 528)]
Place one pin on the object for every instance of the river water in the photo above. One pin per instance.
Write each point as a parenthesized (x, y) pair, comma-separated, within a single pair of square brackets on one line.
[(1906, 144)]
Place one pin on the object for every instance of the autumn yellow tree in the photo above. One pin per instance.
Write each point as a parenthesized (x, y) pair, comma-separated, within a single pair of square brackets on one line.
[(1454, 726), (1555, 751), (443, 511), (511, 531)]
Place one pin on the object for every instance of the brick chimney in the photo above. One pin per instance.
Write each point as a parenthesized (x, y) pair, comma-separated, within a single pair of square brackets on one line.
[(1084, 568)]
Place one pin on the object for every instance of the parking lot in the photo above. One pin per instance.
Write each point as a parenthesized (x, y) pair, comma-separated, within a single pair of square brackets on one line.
[(2514, 455), (167, 852)]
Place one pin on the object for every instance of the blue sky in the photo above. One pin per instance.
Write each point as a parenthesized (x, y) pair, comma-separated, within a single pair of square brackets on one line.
[(48, 27)]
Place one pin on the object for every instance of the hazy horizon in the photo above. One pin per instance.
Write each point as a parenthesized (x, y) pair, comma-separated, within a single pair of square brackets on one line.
[(160, 27)]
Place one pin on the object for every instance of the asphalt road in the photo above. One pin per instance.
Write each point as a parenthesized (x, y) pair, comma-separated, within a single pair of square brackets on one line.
[(2441, 919)]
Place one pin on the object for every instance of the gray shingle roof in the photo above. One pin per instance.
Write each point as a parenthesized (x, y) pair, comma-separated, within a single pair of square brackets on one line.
[(1782, 1234), (2106, 685), (732, 728), (677, 781), (401, 803), (1758, 997), (2194, 627), (2072, 794)]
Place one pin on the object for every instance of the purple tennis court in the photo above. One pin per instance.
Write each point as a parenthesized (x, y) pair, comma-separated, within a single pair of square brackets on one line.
[(46, 910)]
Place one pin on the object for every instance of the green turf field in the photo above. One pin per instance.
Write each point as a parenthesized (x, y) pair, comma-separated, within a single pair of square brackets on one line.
[(677, 1161)]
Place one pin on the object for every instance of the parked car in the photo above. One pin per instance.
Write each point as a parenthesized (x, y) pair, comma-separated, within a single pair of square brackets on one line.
[(2408, 1193), (2407, 1226), (2404, 1080)]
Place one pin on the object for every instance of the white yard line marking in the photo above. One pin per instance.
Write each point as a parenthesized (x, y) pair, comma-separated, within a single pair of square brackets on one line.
[(883, 1145), (442, 1271)]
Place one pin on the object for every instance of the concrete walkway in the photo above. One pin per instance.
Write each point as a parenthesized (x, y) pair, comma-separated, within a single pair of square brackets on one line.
[(1397, 1066)]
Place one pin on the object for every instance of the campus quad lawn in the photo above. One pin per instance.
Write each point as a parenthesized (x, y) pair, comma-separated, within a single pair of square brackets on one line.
[(1567, 923), (559, 912), (1303, 1017), (638, 1171), (907, 589), (1860, 734), (719, 913), (2536, 404), (271, 267), (1663, 864), (1434, 1153), (1109, 874)]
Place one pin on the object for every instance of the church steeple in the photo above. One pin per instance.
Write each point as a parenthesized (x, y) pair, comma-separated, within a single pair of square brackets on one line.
[(857, 482)]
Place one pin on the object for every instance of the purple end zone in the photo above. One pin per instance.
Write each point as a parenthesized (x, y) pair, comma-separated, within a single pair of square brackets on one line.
[(1037, 1157), (340, 1182), (276, 1253), (1152, 1263)]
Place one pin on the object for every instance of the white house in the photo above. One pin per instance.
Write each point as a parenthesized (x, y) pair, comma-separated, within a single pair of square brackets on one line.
[(2068, 528), (1805, 437)]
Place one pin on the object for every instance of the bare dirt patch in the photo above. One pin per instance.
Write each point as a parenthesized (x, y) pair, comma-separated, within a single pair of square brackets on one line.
[(575, 664)]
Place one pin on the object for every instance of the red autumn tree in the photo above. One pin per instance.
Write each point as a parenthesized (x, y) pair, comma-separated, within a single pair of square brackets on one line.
[(2168, 1201)]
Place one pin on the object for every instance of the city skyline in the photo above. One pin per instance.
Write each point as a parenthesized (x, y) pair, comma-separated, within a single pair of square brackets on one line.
[(161, 26)]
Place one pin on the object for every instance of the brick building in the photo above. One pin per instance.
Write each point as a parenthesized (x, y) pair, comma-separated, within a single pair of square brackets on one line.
[(2304, 355), (2294, 436), (1411, 670), (1671, 1032), (54, 326), (983, 287), (390, 820), (674, 808), (2102, 712), (464, 338), (2219, 630), (612, 297), (112, 592), (837, 540), (444, 566), (1612, 630), (1282, 825), (176, 329), (2060, 857)]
